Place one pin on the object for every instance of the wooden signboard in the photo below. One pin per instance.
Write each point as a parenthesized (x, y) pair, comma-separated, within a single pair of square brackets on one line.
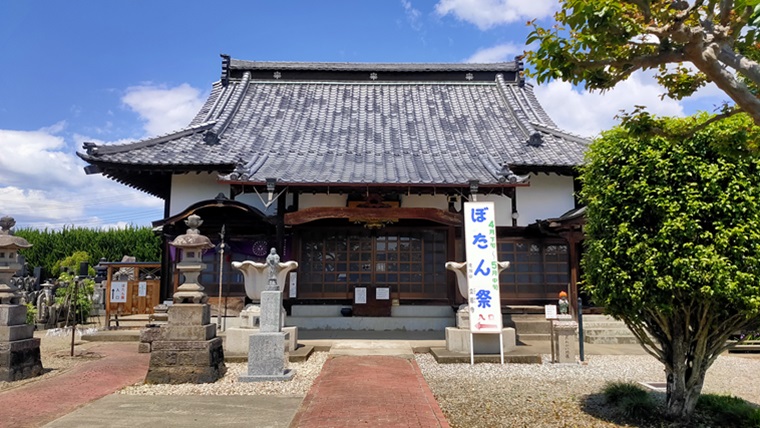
[(131, 289)]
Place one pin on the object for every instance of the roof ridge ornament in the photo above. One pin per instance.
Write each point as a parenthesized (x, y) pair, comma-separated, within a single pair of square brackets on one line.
[(225, 69), (506, 175)]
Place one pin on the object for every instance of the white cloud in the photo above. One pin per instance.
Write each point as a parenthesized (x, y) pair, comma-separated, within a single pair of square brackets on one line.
[(588, 113), (486, 14), (412, 15), (498, 53), (43, 184), (38, 160), (164, 109)]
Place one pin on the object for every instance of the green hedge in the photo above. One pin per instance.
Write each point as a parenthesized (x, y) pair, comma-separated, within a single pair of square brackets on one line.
[(51, 246)]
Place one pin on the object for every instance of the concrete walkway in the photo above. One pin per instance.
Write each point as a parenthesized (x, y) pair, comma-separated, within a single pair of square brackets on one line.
[(36, 403), (377, 391)]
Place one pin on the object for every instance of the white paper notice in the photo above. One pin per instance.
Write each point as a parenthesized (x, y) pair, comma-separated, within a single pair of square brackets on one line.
[(293, 290), (382, 293), (360, 295), (551, 312), (118, 292), (142, 289)]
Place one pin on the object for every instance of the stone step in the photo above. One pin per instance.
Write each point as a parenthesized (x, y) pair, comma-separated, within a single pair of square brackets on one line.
[(610, 340), (371, 323), (593, 325), (607, 332), (533, 337)]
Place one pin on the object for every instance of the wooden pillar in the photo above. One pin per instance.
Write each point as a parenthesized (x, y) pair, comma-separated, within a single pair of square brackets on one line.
[(572, 239)]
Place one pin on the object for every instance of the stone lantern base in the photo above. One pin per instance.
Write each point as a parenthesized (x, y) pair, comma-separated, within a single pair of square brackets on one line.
[(187, 349), (19, 350)]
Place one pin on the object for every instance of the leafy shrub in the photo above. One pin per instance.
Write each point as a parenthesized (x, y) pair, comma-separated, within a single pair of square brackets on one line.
[(31, 312), (630, 399), (728, 411), (79, 294)]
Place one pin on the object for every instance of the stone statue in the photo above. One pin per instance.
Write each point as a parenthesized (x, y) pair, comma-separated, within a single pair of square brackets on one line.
[(272, 261), (564, 304), (259, 276)]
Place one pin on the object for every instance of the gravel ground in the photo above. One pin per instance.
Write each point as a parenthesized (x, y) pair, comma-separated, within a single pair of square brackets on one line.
[(552, 395), (305, 373), (483, 395)]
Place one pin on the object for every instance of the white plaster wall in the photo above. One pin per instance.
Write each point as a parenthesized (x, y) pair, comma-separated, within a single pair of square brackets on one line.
[(548, 196), (503, 207), (425, 201), (188, 189), (308, 200)]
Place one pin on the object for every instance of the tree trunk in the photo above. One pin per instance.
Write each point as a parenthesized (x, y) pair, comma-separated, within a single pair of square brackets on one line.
[(685, 375), (681, 399)]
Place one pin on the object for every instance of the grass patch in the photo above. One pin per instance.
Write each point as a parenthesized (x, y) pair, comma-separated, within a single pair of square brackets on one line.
[(728, 411), (630, 399)]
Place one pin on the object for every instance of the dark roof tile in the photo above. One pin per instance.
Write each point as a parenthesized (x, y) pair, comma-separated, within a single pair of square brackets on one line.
[(362, 132)]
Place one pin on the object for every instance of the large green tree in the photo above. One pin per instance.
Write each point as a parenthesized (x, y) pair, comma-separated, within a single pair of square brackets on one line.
[(673, 239), (599, 43)]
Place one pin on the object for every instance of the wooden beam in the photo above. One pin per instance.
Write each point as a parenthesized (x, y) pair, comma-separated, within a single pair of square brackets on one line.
[(372, 215)]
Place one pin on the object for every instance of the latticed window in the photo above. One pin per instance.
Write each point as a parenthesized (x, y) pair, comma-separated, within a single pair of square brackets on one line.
[(412, 263), (539, 269)]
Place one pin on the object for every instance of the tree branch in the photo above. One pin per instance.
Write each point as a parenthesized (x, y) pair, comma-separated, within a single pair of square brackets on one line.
[(745, 66), (726, 6), (707, 62), (644, 8)]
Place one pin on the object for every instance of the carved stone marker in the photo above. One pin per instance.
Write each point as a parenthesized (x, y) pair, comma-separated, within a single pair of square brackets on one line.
[(266, 349), (19, 350), (187, 350), (258, 277), (565, 340)]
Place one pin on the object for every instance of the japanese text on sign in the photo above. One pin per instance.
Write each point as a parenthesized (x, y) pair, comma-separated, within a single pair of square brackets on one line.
[(482, 267)]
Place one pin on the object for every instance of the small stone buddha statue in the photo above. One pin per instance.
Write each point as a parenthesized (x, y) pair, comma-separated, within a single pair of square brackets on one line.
[(564, 304)]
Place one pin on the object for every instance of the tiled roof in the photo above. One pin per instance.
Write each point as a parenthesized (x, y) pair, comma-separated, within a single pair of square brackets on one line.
[(361, 132)]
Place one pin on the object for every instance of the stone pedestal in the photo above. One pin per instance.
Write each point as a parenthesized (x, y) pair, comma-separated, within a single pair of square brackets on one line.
[(186, 350), (463, 317), (266, 358), (19, 350), (237, 342), (458, 340), (565, 339), (266, 350)]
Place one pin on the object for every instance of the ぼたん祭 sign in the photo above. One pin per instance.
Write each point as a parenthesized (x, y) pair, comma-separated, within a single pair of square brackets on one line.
[(482, 267)]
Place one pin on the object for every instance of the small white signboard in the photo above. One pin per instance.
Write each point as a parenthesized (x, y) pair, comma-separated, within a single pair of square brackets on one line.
[(551, 312), (118, 292), (293, 289), (382, 293), (482, 268), (142, 289), (360, 295)]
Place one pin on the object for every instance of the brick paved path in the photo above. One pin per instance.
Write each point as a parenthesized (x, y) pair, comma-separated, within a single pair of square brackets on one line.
[(376, 391), (38, 403)]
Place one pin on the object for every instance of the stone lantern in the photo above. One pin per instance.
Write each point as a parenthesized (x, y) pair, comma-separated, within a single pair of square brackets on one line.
[(19, 350), (9, 265), (192, 244), (187, 349)]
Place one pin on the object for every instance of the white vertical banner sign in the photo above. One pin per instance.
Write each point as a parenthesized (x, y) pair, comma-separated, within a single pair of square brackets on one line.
[(482, 267)]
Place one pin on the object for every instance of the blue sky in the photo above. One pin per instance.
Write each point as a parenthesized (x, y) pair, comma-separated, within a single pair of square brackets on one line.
[(119, 70)]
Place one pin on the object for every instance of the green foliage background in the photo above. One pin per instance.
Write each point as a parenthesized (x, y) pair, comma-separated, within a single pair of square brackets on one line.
[(52, 246), (673, 218)]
